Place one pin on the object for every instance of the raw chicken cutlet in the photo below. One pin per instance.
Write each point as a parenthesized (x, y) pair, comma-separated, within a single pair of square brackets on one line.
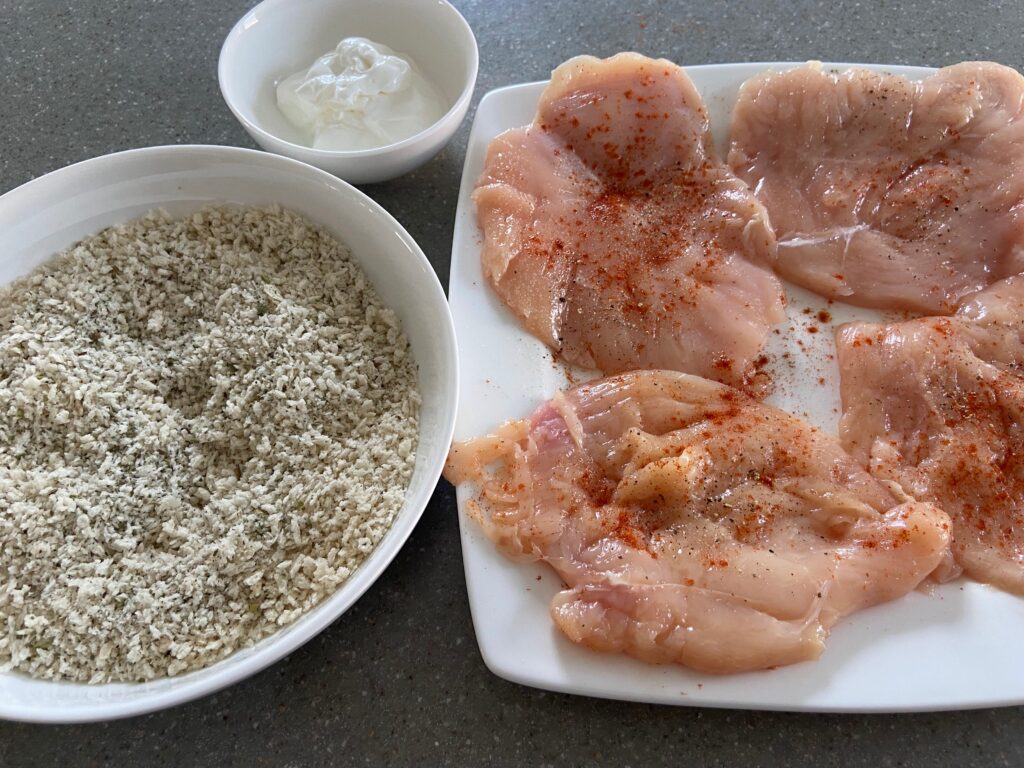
[(885, 192), (937, 405), (693, 524), (617, 236)]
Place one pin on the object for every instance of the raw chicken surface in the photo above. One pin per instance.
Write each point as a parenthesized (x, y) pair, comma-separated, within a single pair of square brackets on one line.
[(937, 404), (617, 236), (693, 524), (885, 192)]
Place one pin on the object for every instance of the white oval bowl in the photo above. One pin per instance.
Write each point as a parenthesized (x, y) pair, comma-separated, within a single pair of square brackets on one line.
[(46, 215), (280, 37)]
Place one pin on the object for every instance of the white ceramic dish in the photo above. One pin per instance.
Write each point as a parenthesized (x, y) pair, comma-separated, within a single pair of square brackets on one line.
[(953, 648), (279, 37), (47, 214)]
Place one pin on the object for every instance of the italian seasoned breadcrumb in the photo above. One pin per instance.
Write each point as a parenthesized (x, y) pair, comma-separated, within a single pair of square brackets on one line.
[(206, 425)]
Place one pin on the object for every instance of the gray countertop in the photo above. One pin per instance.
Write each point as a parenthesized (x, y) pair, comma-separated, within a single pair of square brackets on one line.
[(398, 679)]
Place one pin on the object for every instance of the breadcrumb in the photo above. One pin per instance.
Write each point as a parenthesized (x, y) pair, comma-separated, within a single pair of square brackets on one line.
[(206, 425)]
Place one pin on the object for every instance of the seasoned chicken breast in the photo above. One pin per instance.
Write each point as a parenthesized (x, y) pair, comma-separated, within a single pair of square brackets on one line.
[(693, 524), (615, 233), (937, 405), (884, 192)]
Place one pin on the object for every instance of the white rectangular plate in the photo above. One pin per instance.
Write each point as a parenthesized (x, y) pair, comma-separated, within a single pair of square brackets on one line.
[(954, 647)]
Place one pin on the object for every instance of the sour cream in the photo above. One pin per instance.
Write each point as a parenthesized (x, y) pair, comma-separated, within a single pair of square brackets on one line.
[(361, 95)]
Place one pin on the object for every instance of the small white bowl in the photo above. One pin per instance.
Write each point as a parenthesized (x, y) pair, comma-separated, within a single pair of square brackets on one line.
[(50, 213), (280, 37)]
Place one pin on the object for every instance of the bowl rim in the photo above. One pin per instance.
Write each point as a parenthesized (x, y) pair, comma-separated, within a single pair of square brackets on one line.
[(317, 618), (457, 107)]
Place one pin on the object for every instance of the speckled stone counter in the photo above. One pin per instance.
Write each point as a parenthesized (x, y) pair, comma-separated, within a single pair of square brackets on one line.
[(399, 680)]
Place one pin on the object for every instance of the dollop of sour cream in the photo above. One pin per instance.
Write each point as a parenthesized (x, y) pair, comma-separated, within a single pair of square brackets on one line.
[(361, 95)]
